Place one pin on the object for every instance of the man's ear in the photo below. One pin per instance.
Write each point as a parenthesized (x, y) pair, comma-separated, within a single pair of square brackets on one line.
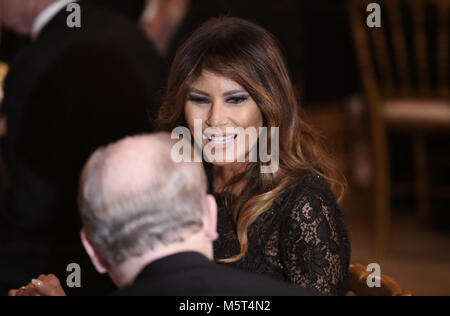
[(210, 218), (96, 261)]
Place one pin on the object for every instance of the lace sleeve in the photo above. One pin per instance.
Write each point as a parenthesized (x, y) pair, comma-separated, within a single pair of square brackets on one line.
[(314, 245)]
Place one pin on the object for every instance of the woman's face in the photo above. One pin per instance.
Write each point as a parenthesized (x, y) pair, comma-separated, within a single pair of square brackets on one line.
[(225, 109)]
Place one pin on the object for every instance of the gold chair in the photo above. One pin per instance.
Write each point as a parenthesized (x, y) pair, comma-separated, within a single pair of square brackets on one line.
[(403, 89), (358, 284)]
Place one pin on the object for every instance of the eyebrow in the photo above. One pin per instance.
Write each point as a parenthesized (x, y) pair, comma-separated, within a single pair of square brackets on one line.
[(226, 94), (233, 92), (199, 92)]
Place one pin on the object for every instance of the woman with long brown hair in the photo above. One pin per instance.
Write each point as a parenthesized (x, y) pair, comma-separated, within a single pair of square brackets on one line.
[(230, 75)]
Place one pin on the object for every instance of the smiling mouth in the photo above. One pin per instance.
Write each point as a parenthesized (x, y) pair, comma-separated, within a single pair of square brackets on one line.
[(220, 140)]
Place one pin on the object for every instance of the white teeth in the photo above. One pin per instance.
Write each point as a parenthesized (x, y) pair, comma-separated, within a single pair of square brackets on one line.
[(221, 140)]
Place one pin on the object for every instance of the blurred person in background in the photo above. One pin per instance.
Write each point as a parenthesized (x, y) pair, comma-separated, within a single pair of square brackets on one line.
[(70, 91), (168, 22)]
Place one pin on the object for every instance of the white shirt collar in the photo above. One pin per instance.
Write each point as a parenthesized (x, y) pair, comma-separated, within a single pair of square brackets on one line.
[(47, 15)]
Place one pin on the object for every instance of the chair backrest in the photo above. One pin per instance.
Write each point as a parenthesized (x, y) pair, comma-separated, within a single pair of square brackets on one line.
[(408, 56), (358, 284)]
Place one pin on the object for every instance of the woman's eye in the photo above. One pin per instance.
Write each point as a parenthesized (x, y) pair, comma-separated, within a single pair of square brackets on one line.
[(237, 100), (199, 100)]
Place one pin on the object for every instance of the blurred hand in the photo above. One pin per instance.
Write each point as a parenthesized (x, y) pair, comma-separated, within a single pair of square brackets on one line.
[(45, 285)]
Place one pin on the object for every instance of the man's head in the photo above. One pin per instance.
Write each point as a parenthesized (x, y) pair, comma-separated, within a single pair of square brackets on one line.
[(19, 15), (135, 202)]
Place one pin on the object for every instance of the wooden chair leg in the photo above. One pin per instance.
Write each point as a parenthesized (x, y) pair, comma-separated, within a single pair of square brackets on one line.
[(421, 173), (382, 183)]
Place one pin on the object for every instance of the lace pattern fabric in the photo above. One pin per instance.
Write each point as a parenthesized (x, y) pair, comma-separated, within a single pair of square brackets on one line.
[(302, 239)]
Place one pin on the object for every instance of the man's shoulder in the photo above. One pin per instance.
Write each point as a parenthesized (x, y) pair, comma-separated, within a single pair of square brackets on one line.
[(251, 284), (210, 280)]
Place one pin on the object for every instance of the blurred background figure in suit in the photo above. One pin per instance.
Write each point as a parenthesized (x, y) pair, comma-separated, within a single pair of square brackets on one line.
[(67, 93), (131, 9)]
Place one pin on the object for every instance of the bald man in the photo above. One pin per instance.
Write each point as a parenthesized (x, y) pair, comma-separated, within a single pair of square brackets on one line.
[(138, 206), (150, 225)]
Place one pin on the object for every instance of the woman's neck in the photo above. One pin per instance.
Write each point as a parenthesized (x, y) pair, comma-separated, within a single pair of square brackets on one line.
[(223, 175)]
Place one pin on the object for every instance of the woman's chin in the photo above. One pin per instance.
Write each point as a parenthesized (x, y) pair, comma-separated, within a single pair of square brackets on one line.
[(220, 159)]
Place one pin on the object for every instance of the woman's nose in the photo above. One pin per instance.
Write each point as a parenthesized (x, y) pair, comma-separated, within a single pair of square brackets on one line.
[(217, 116)]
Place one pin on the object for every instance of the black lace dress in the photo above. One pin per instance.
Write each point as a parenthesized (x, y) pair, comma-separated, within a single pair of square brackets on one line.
[(302, 239)]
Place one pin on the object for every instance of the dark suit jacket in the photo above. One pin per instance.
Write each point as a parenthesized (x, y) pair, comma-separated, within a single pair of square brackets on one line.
[(132, 9), (191, 274), (70, 92)]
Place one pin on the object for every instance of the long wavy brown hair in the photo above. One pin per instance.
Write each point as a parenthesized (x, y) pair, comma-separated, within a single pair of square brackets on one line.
[(251, 56)]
